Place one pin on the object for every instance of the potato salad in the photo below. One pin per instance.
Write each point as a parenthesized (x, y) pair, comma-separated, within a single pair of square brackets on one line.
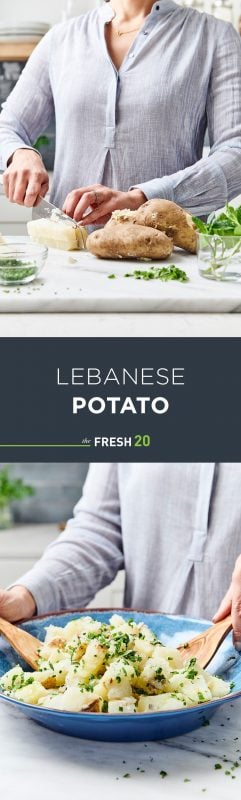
[(116, 668)]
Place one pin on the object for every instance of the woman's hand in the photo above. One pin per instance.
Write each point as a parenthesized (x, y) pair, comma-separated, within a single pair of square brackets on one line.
[(16, 604), (231, 604), (100, 202), (25, 178)]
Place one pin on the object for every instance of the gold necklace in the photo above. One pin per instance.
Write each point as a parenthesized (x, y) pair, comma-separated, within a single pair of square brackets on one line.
[(125, 33), (122, 33)]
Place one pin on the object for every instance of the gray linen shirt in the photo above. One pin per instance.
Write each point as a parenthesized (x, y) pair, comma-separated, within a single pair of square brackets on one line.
[(175, 528), (143, 125)]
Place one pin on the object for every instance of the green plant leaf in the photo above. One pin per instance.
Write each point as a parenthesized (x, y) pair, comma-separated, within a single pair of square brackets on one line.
[(211, 217), (200, 225), (12, 489), (231, 213), (42, 141)]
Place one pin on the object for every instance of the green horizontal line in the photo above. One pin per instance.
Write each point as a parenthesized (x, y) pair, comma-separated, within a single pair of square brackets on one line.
[(45, 445)]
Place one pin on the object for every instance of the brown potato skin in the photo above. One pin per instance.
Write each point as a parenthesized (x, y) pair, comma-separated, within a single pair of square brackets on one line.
[(167, 216), (129, 241)]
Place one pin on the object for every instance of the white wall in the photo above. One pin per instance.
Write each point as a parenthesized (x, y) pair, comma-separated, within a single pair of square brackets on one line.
[(50, 10), (41, 10)]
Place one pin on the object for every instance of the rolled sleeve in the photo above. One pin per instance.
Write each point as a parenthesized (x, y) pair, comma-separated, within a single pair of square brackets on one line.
[(29, 108), (88, 555), (215, 179), (159, 187)]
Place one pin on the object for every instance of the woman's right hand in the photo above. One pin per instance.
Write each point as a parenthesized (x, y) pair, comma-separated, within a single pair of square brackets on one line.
[(25, 178), (16, 604)]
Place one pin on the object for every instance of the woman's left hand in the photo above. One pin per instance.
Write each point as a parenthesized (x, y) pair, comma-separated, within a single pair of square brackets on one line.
[(99, 202), (231, 604)]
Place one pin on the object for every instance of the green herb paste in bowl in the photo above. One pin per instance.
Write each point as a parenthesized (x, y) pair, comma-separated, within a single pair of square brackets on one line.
[(21, 263)]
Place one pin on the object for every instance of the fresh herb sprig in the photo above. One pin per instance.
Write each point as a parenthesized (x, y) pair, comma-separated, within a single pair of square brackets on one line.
[(227, 223), (224, 232)]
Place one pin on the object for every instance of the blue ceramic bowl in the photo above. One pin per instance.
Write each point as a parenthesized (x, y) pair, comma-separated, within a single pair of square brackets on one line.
[(129, 727)]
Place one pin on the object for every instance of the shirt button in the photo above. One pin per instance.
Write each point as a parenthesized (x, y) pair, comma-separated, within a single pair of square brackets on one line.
[(132, 55)]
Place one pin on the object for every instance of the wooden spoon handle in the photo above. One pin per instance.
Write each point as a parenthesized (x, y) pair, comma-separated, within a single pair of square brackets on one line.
[(205, 645), (27, 646)]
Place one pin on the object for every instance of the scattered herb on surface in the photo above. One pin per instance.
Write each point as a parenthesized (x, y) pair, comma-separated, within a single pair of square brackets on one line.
[(218, 766), (170, 273), (163, 774), (127, 775), (112, 276)]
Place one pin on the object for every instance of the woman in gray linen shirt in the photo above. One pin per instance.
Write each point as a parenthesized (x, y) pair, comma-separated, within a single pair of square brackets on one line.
[(175, 528), (134, 86)]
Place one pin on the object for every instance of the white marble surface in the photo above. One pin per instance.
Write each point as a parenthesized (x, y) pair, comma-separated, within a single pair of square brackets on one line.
[(121, 325), (83, 286), (37, 763)]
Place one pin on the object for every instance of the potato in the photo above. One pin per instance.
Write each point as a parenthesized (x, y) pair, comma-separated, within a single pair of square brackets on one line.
[(167, 216), (195, 690), (155, 674), (117, 668), (116, 681), (170, 654), (30, 694), (124, 706), (78, 627), (92, 661), (159, 702), (53, 632), (70, 700), (217, 686), (129, 241)]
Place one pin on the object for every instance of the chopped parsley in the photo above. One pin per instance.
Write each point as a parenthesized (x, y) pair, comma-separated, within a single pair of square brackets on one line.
[(12, 270), (170, 273)]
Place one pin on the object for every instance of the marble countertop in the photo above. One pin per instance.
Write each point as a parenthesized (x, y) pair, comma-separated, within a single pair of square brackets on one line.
[(36, 762), (77, 282)]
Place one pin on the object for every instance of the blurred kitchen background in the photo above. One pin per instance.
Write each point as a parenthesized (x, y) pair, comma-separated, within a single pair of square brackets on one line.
[(46, 495), (22, 24)]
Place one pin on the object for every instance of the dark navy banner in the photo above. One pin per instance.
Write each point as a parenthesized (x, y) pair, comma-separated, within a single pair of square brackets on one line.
[(120, 400)]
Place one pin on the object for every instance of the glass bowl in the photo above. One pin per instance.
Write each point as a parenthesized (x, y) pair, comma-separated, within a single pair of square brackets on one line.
[(219, 257), (21, 262)]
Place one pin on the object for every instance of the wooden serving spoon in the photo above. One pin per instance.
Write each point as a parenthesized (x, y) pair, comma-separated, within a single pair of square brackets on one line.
[(205, 645), (26, 645)]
